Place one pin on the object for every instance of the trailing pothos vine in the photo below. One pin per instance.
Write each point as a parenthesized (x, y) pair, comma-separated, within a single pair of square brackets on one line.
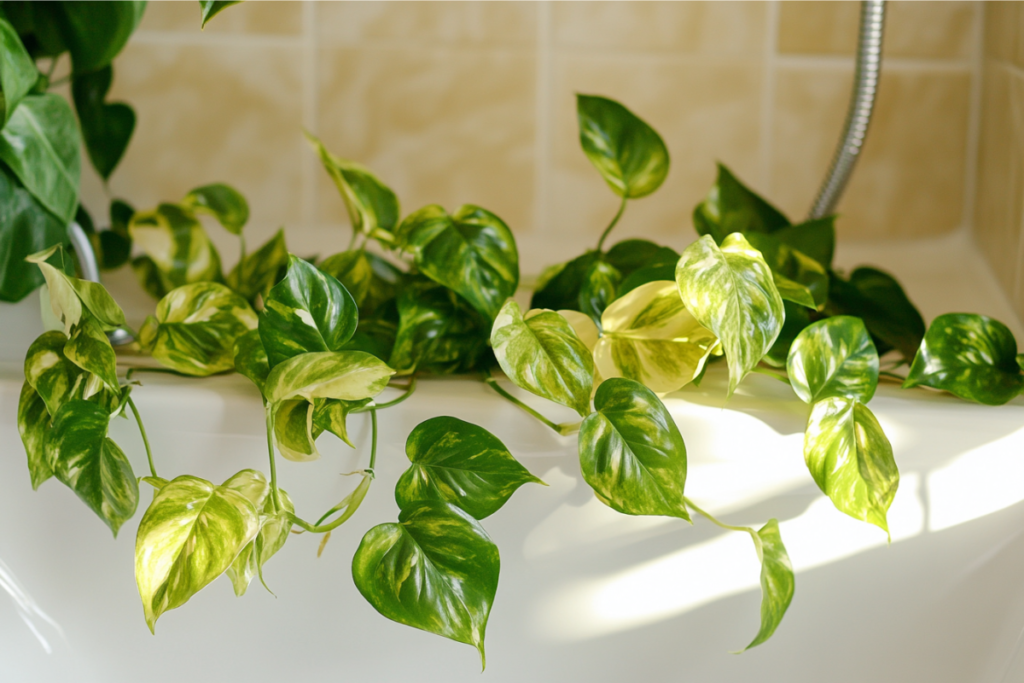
[(608, 334)]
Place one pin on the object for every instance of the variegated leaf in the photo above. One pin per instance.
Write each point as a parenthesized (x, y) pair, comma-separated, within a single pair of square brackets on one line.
[(460, 463), (436, 570), (369, 278), (176, 244), (33, 424), (189, 536), (731, 207), (307, 311), (345, 375), (330, 415), (274, 532), (777, 579), (251, 358), (834, 357), (196, 327), (851, 459), (730, 291), (254, 275), (294, 432), (221, 201), (584, 327), (471, 252), (91, 464), (600, 284), (70, 297), (543, 355), (49, 371), (631, 452), (649, 336), (89, 349)]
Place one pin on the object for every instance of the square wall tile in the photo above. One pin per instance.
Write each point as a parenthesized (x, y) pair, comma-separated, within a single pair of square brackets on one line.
[(994, 227), (705, 113), (909, 181), (485, 24), (1004, 31), (258, 18), (210, 114), (912, 29), (718, 28), (445, 126)]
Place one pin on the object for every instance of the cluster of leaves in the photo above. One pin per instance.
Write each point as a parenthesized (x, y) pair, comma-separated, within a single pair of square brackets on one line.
[(608, 334)]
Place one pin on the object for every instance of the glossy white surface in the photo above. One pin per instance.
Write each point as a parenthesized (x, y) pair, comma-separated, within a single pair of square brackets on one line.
[(585, 593)]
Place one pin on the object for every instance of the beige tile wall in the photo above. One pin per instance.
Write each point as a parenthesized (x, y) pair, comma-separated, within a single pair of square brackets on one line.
[(474, 102), (999, 211)]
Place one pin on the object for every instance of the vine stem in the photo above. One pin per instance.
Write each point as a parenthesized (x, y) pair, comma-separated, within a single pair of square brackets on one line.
[(564, 428), (369, 470), (710, 518), (618, 215), (145, 439), (409, 389), (275, 493), (771, 373), (891, 375), (163, 371)]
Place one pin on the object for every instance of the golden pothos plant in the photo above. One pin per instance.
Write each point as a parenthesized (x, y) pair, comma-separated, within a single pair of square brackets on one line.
[(608, 335)]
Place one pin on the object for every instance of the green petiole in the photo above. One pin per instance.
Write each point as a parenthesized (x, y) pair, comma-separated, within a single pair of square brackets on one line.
[(145, 439), (564, 428)]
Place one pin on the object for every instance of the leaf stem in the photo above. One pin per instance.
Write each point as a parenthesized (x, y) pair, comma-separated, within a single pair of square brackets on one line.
[(771, 373), (714, 521), (622, 207), (373, 440), (275, 493), (409, 389), (164, 371), (564, 428), (891, 375), (145, 439)]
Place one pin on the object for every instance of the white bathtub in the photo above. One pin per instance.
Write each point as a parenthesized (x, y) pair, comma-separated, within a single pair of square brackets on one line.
[(585, 593)]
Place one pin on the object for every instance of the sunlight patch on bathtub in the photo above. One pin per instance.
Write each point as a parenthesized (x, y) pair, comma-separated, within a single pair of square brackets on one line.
[(981, 481), (718, 568)]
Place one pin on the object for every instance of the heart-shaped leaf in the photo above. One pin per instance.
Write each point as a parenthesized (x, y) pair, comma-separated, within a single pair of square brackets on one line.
[(629, 256), (632, 453), (798, 277), (331, 415), (370, 279), (600, 283), (25, 228), (649, 336), (731, 291), (307, 311), (211, 8), (834, 357), (89, 349), (49, 372), (459, 463), (542, 354), (178, 246), (91, 464), (971, 356), (372, 205), (851, 459), (732, 207), (345, 375), (196, 327), (106, 128), (436, 570), (95, 32), (629, 154), (70, 296), (777, 579), (274, 531), (294, 433), (254, 275), (438, 332), (251, 358), (815, 238), (877, 298), (40, 144), (221, 201), (17, 71), (560, 286), (189, 536), (33, 425), (471, 252)]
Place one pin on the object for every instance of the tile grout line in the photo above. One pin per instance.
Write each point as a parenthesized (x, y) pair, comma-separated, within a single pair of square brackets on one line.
[(543, 133), (901, 64), (974, 119), (768, 96), (309, 105)]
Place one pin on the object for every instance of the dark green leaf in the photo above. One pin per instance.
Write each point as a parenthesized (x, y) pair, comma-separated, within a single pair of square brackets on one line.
[(459, 463), (632, 453), (834, 357), (251, 358), (195, 328), (438, 331), (542, 354), (115, 249), (211, 8), (259, 271), (731, 292), (878, 299), (17, 71), (25, 228), (307, 311), (121, 213), (377, 337), (436, 570), (732, 207), (90, 464), (106, 128), (40, 144), (331, 415), (851, 459), (777, 579), (816, 238), (562, 290), (178, 247), (37, 25), (643, 276), (629, 154), (599, 289), (804, 279), (629, 256), (221, 201), (971, 356), (33, 424), (95, 32), (148, 275), (471, 252)]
